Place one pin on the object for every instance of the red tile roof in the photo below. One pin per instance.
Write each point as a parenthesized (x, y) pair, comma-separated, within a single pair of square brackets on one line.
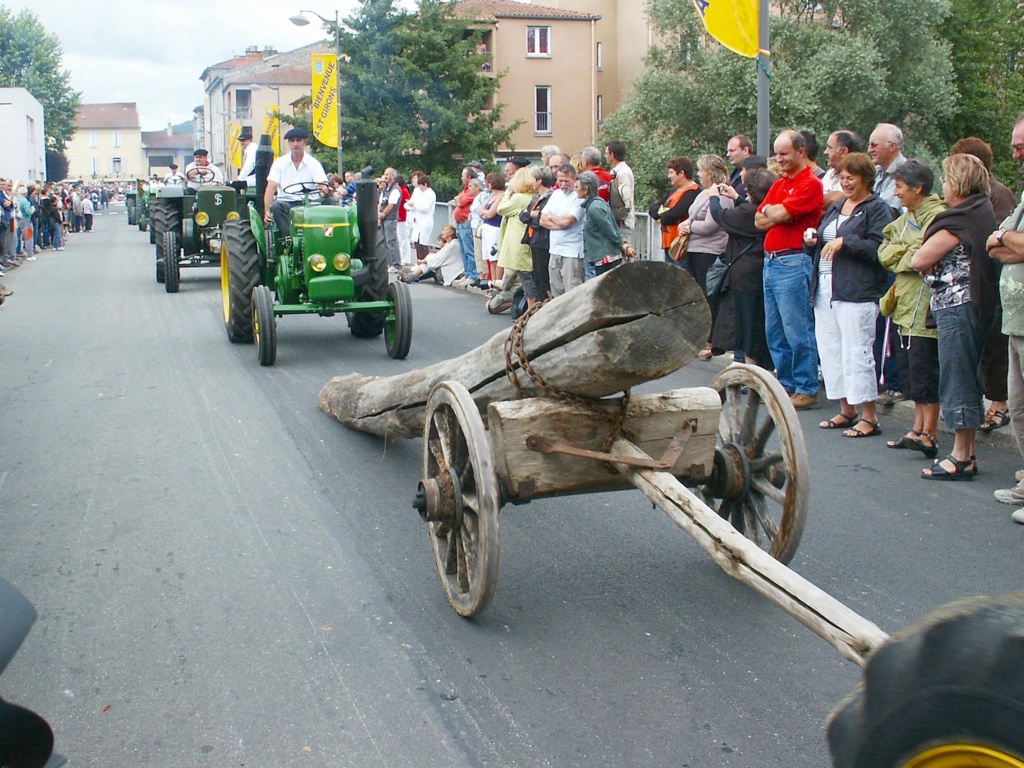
[(491, 10), (116, 115)]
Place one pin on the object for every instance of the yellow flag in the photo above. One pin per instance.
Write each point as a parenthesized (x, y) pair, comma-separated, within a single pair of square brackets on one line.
[(236, 149), (733, 23), (325, 98), (272, 127)]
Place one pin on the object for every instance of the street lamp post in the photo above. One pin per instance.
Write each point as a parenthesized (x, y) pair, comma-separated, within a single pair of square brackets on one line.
[(300, 21)]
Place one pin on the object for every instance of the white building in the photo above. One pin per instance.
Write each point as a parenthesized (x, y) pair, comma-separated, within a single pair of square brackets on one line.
[(22, 142)]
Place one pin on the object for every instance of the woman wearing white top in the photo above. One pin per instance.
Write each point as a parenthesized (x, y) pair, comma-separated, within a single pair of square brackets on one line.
[(420, 206)]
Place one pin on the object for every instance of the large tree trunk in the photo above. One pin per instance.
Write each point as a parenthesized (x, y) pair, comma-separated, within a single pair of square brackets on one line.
[(636, 323)]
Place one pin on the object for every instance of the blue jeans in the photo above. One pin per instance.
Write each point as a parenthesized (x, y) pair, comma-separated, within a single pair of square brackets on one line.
[(961, 341), (789, 322), (464, 233)]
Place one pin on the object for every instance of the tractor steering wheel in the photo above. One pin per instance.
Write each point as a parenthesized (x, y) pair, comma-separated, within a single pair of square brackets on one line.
[(303, 187), (201, 174)]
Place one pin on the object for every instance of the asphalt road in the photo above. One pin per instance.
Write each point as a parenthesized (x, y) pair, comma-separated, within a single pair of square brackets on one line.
[(227, 577)]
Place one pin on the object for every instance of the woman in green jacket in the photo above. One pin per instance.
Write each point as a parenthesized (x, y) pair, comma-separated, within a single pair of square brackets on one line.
[(907, 303), (603, 245)]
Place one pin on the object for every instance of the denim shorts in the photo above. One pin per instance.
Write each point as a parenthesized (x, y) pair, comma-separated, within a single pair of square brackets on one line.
[(961, 341)]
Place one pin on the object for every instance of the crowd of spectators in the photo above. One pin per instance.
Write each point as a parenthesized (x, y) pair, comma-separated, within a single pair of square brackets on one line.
[(875, 276), (39, 217)]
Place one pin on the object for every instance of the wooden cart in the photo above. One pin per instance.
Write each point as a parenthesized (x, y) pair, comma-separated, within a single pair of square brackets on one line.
[(727, 463)]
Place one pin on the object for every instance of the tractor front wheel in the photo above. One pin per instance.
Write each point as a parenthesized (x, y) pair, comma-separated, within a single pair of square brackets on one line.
[(398, 332), (172, 250), (264, 324)]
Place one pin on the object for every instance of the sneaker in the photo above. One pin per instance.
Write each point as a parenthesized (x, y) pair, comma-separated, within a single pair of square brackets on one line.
[(889, 397), (5, 291), (1013, 495), (1018, 516), (802, 402), (1018, 475), (61, 248), (30, 258)]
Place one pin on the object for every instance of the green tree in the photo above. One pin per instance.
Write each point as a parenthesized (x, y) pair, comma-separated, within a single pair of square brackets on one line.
[(987, 39), (843, 63), (412, 93), (31, 58)]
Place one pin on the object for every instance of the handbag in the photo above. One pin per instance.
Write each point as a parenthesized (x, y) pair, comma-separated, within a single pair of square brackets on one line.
[(677, 250)]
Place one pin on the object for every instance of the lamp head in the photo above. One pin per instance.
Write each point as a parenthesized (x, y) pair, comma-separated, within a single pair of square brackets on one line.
[(298, 20)]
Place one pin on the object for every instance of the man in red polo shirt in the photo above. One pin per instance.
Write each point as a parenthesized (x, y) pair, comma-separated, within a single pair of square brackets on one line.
[(792, 206)]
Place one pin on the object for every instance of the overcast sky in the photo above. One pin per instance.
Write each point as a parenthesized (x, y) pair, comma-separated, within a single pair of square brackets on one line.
[(152, 52)]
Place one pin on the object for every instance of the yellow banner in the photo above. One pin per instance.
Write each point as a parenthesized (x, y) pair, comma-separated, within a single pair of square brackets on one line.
[(325, 98), (234, 131), (272, 127), (733, 23)]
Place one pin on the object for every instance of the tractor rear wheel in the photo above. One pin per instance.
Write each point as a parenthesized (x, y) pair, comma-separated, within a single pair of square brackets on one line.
[(164, 215), (172, 272), (946, 691), (239, 274), (398, 332), (367, 325), (264, 324)]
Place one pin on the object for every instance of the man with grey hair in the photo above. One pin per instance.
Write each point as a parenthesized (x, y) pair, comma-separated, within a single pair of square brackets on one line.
[(548, 151), (885, 146), (1006, 245), (592, 162), (387, 216), (556, 161), (563, 216)]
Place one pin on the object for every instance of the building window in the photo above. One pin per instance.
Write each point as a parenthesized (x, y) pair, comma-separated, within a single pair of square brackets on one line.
[(243, 104), (115, 139), (30, 128), (115, 166), (600, 109), (94, 139), (599, 56), (538, 41), (94, 166), (542, 99)]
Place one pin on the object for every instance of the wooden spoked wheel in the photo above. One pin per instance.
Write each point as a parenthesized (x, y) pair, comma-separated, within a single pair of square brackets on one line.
[(761, 478), (459, 498)]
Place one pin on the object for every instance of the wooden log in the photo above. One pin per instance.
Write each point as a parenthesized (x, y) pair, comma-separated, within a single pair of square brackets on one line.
[(852, 635), (652, 421), (636, 323)]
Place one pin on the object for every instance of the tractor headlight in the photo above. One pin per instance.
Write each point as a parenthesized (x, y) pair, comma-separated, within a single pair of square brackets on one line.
[(342, 262), (317, 262), (202, 218), (232, 216)]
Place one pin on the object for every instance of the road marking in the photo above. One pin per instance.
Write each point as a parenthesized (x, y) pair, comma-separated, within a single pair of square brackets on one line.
[(3, 478)]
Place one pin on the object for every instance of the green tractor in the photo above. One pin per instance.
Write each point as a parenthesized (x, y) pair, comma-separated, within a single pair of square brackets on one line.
[(188, 225), (332, 263), (129, 204), (142, 206)]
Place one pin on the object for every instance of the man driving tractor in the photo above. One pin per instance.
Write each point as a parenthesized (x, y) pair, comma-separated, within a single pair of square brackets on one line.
[(295, 168), (201, 171)]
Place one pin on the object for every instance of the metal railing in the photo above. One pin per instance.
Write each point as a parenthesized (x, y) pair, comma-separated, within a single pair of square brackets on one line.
[(646, 234)]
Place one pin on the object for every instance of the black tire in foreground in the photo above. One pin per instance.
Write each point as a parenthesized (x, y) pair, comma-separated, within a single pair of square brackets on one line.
[(239, 274), (367, 325), (946, 691), (398, 334), (172, 272), (264, 324)]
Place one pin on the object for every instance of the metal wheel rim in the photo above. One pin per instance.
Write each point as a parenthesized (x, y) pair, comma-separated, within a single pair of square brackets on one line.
[(466, 557), (225, 289), (756, 411), (960, 755)]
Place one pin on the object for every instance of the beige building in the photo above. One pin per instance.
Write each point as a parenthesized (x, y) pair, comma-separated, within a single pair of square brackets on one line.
[(245, 91), (567, 64), (107, 143)]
